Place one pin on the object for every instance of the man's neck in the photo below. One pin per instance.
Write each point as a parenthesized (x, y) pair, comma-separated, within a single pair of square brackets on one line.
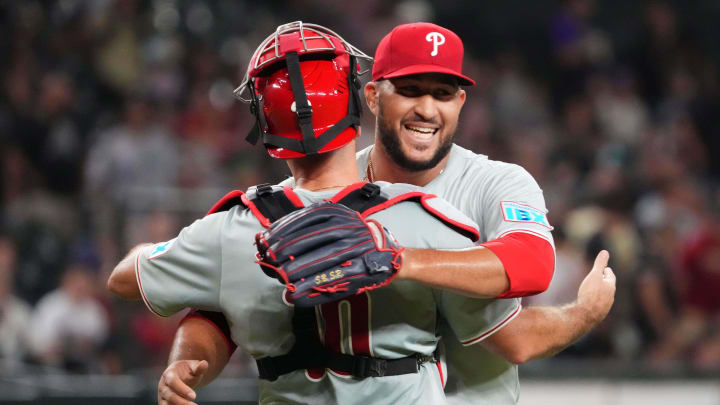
[(330, 170), (381, 167)]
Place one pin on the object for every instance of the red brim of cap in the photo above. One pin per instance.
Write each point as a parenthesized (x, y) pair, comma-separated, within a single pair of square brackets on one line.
[(417, 69)]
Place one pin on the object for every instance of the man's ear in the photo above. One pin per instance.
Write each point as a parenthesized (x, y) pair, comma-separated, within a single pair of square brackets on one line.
[(371, 96)]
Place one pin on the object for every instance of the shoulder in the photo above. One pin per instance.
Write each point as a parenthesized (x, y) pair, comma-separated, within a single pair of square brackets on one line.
[(474, 163), (392, 190), (476, 170)]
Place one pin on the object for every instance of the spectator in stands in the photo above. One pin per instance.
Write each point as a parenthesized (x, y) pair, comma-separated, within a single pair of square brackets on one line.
[(694, 335), (134, 158), (69, 325), (14, 312)]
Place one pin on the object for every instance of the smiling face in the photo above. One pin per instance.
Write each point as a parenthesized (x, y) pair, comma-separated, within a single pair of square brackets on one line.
[(416, 117)]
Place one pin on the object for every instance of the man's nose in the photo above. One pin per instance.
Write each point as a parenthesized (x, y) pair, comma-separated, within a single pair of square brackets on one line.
[(425, 107)]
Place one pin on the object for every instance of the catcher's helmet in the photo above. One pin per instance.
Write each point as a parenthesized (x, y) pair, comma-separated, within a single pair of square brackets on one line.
[(303, 90)]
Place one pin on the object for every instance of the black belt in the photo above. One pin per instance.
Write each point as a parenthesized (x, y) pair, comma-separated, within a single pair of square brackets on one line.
[(270, 368)]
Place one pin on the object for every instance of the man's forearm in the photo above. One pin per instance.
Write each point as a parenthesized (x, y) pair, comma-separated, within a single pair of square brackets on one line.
[(540, 332), (475, 271), (515, 265), (198, 339), (557, 328)]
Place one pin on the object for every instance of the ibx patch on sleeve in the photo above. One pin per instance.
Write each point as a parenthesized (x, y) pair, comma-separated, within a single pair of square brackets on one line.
[(160, 249), (516, 212)]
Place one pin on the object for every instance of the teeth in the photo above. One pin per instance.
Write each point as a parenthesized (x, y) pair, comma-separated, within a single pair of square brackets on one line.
[(420, 132)]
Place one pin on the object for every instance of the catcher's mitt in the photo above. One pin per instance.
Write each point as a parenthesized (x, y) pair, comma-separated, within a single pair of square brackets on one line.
[(326, 252)]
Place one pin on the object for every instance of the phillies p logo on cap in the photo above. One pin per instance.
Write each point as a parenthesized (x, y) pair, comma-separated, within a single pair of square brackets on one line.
[(437, 39), (416, 48)]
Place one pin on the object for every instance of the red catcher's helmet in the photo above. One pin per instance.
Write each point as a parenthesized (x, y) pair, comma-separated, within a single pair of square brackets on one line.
[(303, 88)]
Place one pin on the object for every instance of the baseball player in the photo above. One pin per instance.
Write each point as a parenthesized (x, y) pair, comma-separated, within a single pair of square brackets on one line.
[(373, 345), (409, 95)]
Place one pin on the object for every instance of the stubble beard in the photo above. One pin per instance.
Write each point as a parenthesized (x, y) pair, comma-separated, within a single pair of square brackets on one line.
[(391, 142)]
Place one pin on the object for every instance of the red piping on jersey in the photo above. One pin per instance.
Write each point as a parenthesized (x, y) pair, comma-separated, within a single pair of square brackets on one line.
[(290, 194), (529, 262), (139, 283), (494, 329), (442, 379), (195, 314), (347, 190)]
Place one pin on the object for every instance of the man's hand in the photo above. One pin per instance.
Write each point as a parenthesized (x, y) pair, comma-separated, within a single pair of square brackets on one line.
[(540, 332), (597, 291), (178, 380)]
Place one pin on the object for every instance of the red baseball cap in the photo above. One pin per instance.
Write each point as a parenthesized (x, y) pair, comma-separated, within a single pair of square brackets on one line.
[(420, 48)]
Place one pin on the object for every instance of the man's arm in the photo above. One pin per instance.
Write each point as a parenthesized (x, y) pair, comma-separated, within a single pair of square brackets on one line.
[(515, 265), (474, 271), (122, 281), (539, 332), (199, 353)]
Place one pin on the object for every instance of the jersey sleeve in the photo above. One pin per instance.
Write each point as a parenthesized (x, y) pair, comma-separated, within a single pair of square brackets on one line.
[(517, 230), (514, 203), (474, 319), (183, 272)]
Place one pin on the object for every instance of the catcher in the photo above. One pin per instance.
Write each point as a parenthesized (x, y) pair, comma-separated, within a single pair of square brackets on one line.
[(378, 344)]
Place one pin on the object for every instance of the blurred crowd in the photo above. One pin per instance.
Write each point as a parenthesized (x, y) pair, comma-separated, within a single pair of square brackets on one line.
[(118, 125)]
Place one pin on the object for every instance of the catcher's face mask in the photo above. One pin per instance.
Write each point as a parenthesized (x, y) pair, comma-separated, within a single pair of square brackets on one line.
[(303, 88)]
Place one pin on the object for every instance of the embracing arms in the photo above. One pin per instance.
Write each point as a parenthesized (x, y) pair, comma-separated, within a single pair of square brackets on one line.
[(199, 353), (540, 332), (515, 265)]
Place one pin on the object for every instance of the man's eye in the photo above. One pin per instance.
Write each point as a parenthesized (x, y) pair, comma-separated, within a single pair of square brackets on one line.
[(442, 95), (410, 91)]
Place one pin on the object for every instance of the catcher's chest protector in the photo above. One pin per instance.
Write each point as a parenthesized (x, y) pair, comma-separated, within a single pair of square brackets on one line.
[(270, 203)]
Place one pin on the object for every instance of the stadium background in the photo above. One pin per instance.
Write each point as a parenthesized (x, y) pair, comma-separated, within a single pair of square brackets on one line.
[(117, 125)]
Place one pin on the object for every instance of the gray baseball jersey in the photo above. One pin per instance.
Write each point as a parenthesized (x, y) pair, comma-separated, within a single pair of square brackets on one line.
[(210, 266), (501, 198)]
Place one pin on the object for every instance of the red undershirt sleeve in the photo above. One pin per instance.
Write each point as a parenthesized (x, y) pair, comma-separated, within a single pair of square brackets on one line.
[(529, 262)]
